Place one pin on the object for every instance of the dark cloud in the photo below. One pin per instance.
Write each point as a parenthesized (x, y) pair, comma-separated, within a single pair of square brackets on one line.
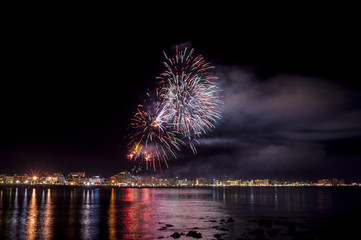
[(290, 102)]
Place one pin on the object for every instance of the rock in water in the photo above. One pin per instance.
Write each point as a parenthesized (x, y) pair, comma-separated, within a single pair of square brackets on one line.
[(175, 235), (198, 235), (194, 234), (223, 229), (217, 235), (230, 220)]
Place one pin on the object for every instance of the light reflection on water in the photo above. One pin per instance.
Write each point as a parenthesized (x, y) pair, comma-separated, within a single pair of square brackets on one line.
[(142, 213), (32, 218), (71, 220), (111, 216), (48, 217), (90, 212)]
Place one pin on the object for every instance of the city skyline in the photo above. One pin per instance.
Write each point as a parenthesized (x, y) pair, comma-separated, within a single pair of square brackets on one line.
[(127, 179)]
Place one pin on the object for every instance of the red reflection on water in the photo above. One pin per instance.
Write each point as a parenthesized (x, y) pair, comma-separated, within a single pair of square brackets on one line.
[(141, 212), (138, 220)]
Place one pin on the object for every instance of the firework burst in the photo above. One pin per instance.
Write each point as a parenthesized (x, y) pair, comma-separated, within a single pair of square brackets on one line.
[(153, 139), (191, 96), (185, 106)]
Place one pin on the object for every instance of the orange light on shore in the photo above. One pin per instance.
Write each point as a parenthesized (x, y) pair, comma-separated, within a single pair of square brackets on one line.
[(34, 178)]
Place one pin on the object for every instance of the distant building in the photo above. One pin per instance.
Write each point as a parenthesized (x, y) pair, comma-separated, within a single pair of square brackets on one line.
[(324, 182), (341, 182), (122, 178), (20, 179), (163, 182), (275, 182), (180, 182), (337, 182), (171, 181), (56, 178), (261, 182), (232, 183), (215, 182), (77, 178), (59, 178), (186, 182), (7, 179), (202, 181), (96, 180)]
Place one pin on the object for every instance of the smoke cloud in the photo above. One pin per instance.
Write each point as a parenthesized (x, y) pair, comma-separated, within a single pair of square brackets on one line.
[(278, 127)]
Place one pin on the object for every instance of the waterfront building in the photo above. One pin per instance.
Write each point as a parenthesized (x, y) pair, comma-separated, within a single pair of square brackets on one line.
[(122, 178), (202, 181), (324, 182)]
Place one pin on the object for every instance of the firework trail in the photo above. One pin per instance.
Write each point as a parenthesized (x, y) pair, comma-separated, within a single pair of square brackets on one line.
[(185, 106)]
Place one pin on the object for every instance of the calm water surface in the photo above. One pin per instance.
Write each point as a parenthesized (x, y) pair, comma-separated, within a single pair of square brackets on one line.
[(132, 213)]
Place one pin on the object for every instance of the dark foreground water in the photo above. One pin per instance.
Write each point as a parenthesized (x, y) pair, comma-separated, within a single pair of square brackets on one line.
[(155, 213)]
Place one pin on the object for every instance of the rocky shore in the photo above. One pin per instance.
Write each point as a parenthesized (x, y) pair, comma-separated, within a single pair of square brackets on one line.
[(264, 228)]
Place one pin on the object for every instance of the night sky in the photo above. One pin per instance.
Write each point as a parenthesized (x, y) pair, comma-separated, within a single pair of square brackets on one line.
[(291, 94)]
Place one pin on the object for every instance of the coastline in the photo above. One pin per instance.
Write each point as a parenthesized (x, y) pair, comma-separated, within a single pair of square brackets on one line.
[(161, 187)]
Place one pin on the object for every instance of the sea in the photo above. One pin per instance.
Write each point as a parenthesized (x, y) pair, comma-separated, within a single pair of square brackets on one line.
[(28, 212)]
